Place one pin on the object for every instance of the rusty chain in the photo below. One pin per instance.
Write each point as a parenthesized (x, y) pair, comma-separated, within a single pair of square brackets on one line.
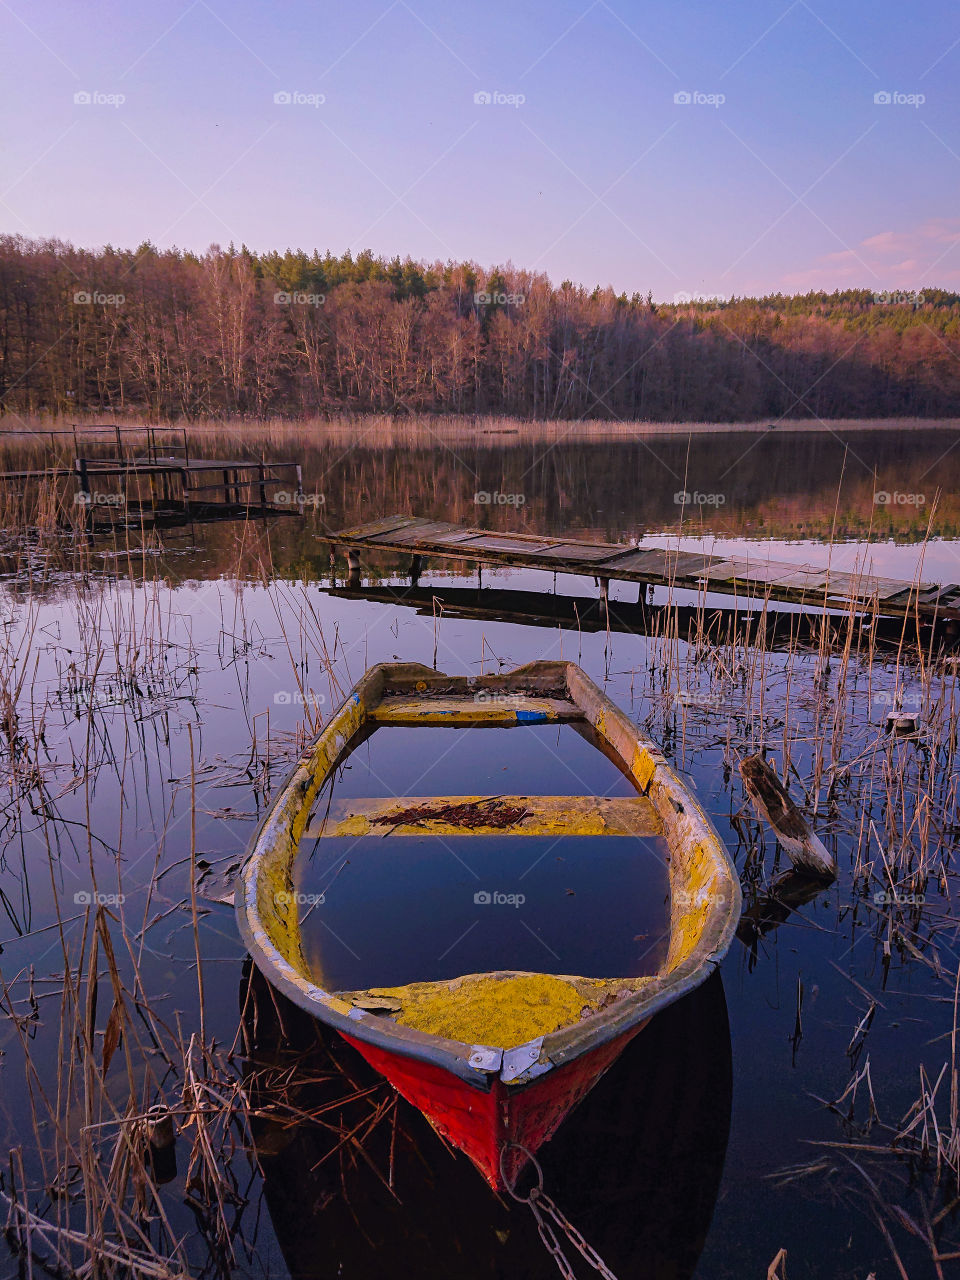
[(547, 1217)]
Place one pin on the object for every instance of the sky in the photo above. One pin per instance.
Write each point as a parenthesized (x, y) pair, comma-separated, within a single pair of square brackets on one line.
[(679, 148)]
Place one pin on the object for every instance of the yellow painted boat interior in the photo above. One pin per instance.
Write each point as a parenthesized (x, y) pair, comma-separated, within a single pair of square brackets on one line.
[(500, 1009)]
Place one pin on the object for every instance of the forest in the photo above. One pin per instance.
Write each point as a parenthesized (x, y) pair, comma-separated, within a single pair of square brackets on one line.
[(174, 334)]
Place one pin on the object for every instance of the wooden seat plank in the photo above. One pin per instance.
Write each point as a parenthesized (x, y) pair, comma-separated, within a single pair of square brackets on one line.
[(505, 710), (463, 815)]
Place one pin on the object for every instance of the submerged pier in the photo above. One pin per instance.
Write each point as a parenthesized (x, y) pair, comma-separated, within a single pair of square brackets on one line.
[(740, 576), (148, 475)]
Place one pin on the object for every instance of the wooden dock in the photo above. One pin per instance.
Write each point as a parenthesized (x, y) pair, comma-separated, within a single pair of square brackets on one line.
[(135, 475), (203, 488), (742, 576)]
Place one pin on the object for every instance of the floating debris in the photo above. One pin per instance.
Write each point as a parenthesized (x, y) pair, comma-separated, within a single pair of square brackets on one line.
[(489, 812)]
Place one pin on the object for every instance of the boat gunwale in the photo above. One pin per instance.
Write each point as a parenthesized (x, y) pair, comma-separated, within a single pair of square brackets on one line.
[(568, 1042)]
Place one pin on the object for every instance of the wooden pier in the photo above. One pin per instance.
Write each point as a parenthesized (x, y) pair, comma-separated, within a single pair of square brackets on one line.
[(139, 475), (742, 576)]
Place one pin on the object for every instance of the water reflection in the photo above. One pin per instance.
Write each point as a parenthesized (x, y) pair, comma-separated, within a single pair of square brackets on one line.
[(750, 622), (636, 1167), (817, 486)]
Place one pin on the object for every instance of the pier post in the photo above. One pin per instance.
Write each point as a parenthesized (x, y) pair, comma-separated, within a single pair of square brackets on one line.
[(353, 568), (416, 565), (84, 494)]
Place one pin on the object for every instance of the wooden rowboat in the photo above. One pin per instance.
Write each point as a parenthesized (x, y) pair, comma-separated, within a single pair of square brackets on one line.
[(548, 1037)]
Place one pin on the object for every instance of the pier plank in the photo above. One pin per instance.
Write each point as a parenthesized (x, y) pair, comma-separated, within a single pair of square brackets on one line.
[(413, 535), (577, 552)]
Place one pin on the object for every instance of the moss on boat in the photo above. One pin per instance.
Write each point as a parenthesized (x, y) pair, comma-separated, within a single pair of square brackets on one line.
[(500, 1010)]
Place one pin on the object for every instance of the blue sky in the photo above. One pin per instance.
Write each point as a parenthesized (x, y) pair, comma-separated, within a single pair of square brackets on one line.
[(782, 172)]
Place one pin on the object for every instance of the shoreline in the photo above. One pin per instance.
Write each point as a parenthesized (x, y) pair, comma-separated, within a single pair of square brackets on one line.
[(474, 427)]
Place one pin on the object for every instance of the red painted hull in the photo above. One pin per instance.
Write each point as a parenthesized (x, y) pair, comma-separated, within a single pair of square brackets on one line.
[(491, 1126)]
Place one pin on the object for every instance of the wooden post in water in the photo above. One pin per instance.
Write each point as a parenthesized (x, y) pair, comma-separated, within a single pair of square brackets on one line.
[(804, 849), (84, 495)]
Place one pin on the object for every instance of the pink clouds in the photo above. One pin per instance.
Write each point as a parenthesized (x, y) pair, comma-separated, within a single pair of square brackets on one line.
[(908, 259)]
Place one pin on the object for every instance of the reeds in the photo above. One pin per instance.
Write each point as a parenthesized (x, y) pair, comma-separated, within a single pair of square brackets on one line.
[(84, 708)]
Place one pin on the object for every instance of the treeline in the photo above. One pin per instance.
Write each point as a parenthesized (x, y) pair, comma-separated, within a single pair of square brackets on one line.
[(176, 334)]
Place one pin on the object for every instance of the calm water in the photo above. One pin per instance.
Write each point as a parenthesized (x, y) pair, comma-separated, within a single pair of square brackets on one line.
[(414, 909), (405, 908), (550, 760), (231, 664)]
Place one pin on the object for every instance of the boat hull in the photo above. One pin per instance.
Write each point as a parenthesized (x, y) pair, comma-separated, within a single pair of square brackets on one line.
[(497, 1128), (497, 1104)]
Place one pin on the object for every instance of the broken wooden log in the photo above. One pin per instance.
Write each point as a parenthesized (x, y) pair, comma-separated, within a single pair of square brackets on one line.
[(805, 850)]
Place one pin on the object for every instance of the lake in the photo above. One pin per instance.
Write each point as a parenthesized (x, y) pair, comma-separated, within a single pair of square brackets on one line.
[(142, 670)]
